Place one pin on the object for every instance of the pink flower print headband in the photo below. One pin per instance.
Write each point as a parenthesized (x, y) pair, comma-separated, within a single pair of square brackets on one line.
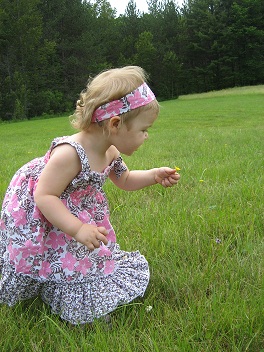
[(139, 97)]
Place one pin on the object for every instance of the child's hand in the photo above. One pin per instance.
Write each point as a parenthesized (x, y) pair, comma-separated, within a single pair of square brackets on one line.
[(166, 176), (91, 236)]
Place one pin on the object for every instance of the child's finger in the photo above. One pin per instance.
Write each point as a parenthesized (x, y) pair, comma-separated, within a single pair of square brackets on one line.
[(174, 178), (101, 237), (166, 183), (170, 170), (174, 181), (102, 230), (174, 172)]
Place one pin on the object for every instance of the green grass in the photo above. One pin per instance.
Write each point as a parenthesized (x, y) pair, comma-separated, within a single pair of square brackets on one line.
[(203, 239)]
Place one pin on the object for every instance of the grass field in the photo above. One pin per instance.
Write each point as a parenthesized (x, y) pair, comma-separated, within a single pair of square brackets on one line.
[(203, 239)]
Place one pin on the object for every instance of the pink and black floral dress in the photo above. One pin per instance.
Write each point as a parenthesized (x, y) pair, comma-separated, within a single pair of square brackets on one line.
[(38, 258)]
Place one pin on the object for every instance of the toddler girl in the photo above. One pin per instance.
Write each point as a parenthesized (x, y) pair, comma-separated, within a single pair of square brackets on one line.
[(56, 236)]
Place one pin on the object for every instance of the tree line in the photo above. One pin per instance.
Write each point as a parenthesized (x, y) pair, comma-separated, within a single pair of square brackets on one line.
[(49, 48)]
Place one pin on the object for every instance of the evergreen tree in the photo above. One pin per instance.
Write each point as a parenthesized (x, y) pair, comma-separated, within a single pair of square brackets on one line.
[(25, 57), (49, 48)]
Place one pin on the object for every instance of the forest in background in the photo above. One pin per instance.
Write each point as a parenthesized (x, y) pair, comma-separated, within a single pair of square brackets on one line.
[(49, 48)]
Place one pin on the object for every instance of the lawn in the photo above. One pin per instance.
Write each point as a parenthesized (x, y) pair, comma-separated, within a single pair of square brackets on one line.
[(203, 238)]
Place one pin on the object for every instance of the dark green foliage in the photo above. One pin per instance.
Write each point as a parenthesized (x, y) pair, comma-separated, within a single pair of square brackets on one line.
[(49, 48)]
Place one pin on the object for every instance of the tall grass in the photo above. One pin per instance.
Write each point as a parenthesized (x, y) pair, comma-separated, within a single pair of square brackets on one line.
[(203, 239)]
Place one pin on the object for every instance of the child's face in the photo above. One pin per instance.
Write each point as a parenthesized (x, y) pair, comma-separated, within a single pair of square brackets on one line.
[(132, 137)]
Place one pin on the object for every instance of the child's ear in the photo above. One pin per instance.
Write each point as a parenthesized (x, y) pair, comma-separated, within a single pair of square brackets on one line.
[(115, 123)]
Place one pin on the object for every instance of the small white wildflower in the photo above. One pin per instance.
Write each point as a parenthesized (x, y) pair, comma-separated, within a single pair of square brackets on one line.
[(148, 308)]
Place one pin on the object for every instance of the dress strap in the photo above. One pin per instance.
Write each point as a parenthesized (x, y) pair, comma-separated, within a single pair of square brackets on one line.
[(79, 150)]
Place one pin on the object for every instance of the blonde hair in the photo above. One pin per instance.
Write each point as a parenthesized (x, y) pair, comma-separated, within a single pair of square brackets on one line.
[(109, 85)]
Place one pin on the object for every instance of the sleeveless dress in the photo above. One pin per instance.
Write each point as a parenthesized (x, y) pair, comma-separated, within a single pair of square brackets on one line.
[(37, 258)]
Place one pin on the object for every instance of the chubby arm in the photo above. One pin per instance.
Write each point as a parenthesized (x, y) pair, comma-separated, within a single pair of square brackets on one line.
[(137, 179), (60, 170)]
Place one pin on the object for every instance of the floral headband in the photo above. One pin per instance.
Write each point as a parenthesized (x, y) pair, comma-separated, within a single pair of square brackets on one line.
[(139, 97)]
